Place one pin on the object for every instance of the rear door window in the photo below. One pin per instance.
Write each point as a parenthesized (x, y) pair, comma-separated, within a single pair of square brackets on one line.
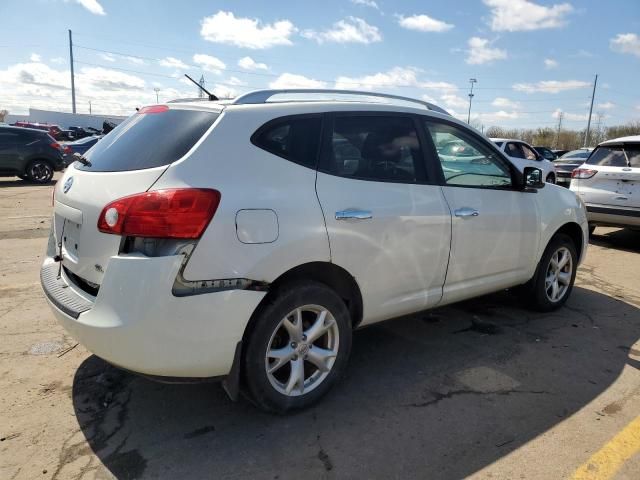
[(148, 139), (633, 153), (514, 150), (375, 147), (608, 157), (295, 138)]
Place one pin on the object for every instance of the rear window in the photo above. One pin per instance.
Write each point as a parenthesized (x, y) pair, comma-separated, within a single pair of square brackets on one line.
[(148, 140), (608, 157)]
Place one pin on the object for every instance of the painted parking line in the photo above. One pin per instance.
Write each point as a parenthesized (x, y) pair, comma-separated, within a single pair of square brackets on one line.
[(609, 459)]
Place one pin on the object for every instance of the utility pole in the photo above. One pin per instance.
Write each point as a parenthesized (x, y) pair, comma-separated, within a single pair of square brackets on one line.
[(586, 134), (560, 115), (89, 107), (471, 81), (73, 81), (202, 84), (156, 89)]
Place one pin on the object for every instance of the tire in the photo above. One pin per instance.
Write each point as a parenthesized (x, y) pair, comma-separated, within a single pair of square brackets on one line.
[(551, 178), (281, 390), (39, 171), (539, 292)]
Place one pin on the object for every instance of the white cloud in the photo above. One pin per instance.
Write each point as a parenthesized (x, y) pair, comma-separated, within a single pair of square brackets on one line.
[(172, 62), (236, 81), (396, 77), (93, 6), (550, 86), (428, 98), (423, 23), (348, 30), (291, 80), (224, 91), (605, 106), (454, 101), (110, 79), (58, 60), (35, 57), (501, 102), (209, 63), (249, 63), (225, 27), (499, 116), (626, 43), (481, 52), (107, 57), (550, 63), (523, 15), (136, 60), (366, 3), (445, 87), (570, 116)]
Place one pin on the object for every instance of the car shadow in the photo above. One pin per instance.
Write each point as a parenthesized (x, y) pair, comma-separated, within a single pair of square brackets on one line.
[(19, 183), (623, 239), (440, 395)]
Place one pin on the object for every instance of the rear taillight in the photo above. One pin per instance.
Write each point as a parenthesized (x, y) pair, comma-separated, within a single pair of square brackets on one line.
[(56, 145), (582, 173), (176, 213), (66, 149), (154, 109)]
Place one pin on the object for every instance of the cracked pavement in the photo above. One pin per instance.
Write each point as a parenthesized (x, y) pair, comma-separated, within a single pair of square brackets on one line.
[(484, 389)]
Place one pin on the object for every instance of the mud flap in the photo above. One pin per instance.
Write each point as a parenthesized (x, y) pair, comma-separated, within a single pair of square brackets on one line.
[(231, 382)]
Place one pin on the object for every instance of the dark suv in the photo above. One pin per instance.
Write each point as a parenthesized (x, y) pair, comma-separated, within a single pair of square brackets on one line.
[(29, 154)]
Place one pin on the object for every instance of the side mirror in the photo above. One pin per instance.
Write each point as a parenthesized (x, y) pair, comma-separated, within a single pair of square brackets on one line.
[(533, 178)]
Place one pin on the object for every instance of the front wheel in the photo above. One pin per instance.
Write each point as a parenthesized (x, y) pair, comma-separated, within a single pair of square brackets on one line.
[(554, 278), (40, 171), (298, 349)]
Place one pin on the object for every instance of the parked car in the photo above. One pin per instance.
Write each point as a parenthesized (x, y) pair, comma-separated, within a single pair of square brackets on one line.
[(546, 152), (609, 183), (80, 132), (559, 153), (54, 130), (80, 146), (524, 155), (29, 154), (233, 240), (566, 164)]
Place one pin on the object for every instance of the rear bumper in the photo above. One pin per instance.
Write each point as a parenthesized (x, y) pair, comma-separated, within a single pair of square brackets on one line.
[(135, 322), (614, 216)]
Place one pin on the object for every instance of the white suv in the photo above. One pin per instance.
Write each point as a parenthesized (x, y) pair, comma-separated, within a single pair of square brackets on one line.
[(609, 183), (524, 155), (247, 240)]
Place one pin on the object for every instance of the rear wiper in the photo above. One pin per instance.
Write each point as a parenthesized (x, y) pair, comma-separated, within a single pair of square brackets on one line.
[(79, 158)]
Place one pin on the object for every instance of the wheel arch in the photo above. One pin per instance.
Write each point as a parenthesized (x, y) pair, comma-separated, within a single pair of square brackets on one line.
[(329, 274), (573, 231)]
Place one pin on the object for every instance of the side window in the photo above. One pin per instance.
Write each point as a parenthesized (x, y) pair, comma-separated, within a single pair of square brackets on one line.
[(528, 153), (465, 160), (633, 153), (514, 150), (293, 138), (8, 138), (378, 148), (608, 157)]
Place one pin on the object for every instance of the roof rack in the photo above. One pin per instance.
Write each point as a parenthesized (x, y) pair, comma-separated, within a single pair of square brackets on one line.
[(261, 96)]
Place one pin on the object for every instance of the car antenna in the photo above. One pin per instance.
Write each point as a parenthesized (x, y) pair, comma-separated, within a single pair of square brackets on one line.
[(212, 97)]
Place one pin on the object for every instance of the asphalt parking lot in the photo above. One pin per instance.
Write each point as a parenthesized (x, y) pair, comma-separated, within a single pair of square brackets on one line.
[(483, 389)]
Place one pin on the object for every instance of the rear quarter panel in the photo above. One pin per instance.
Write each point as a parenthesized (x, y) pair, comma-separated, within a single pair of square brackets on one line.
[(250, 178)]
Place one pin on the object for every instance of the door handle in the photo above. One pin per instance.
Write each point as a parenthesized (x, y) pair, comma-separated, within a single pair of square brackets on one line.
[(354, 215), (466, 212)]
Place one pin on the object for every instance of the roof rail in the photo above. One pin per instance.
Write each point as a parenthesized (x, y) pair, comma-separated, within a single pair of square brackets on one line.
[(261, 96)]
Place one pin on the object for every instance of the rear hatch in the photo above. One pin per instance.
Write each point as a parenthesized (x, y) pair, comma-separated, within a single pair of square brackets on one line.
[(127, 161), (617, 181)]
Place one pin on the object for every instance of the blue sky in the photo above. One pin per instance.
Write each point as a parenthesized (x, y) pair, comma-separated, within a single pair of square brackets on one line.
[(531, 59)]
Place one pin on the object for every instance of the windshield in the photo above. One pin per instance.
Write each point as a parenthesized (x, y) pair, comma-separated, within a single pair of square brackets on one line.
[(148, 140), (576, 154), (85, 140)]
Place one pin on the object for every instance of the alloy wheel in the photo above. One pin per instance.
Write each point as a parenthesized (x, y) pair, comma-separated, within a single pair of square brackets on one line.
[(558, 276), (40, 172), (302, 350)]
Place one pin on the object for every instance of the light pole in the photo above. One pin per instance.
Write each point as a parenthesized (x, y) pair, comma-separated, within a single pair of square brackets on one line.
[(89, 107), (156, 89), (471, 81)]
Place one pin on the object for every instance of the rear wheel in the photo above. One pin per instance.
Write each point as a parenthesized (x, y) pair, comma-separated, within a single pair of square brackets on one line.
[(551, 178), (39, 171), (553, 281), (298, 349)]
